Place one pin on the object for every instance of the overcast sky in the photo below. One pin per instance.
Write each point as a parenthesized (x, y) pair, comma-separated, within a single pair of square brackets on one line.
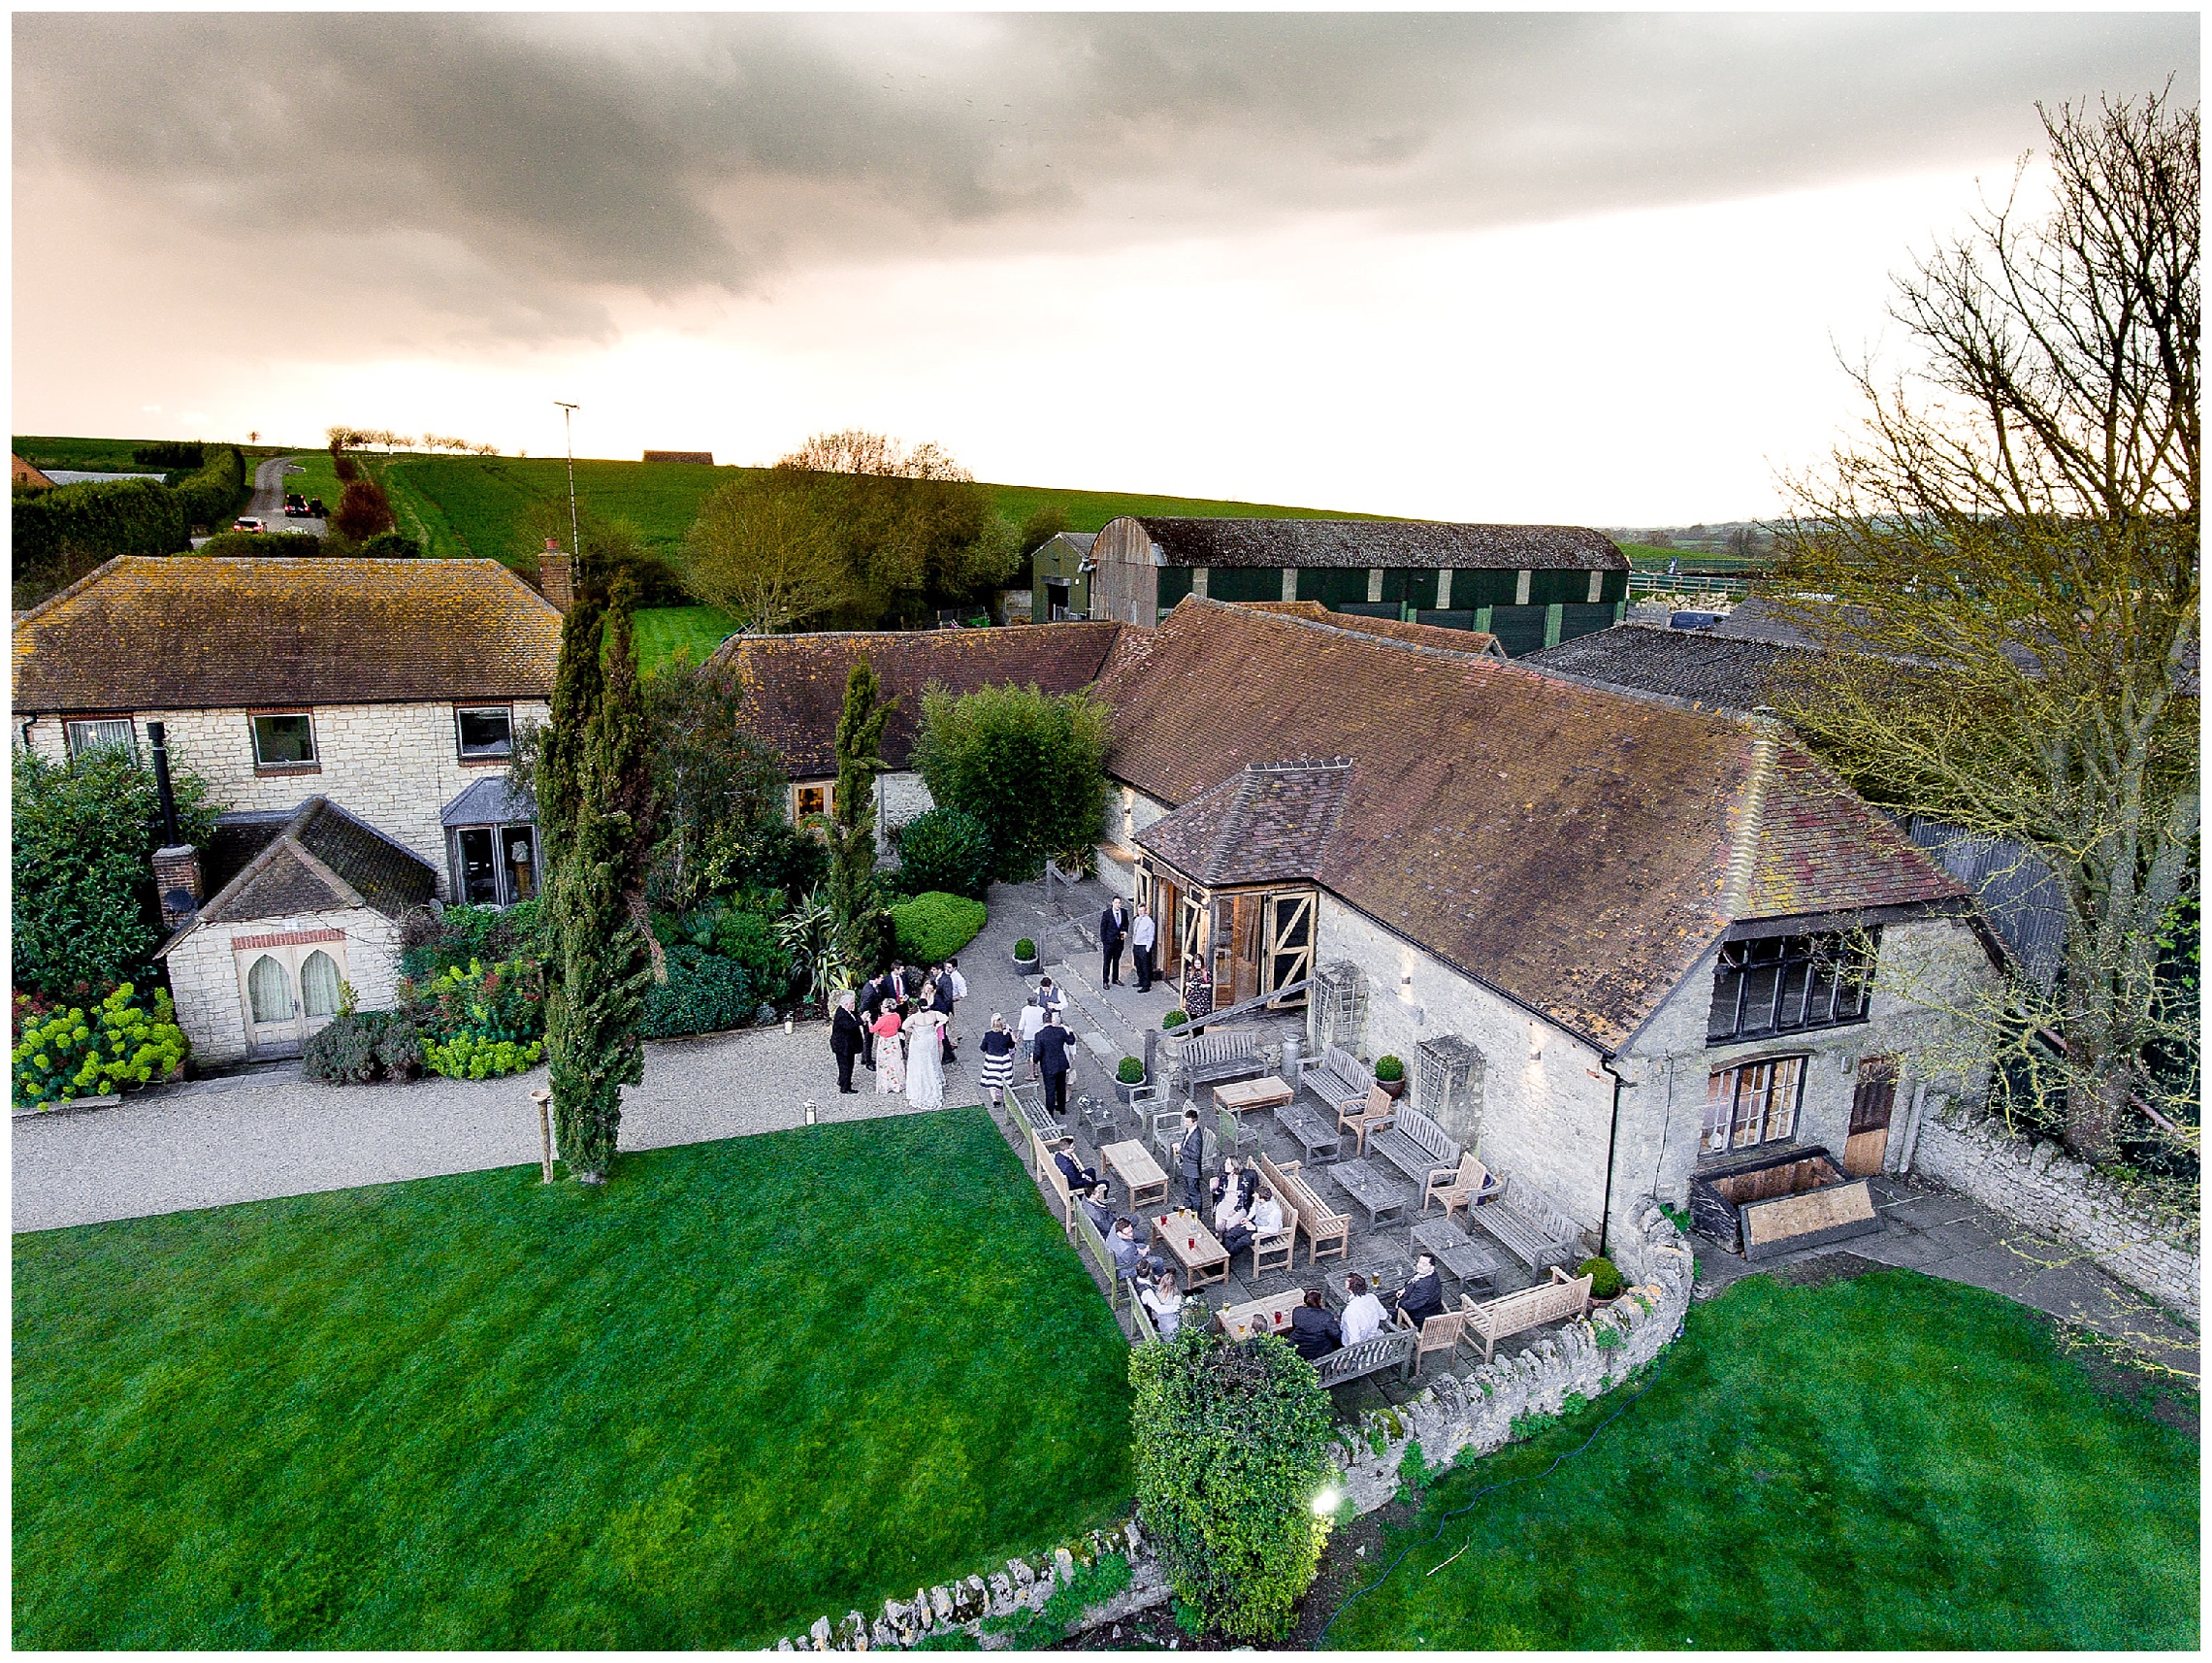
[(1515, 267)]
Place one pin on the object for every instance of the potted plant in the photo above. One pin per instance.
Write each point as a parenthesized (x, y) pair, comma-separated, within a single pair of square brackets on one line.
[(1390, 1075), (1024, 956), (1606, 1284), (1174, 1020), (1128, 1077)]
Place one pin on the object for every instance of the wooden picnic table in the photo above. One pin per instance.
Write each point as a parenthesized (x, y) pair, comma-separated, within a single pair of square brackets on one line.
[(1383, 1200), (1264, 1092), (1195, 1248), (1132, 1164), (1269, 1315)]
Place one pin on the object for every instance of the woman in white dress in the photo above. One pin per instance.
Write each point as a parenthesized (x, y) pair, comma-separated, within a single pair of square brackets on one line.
[(925, 1060)]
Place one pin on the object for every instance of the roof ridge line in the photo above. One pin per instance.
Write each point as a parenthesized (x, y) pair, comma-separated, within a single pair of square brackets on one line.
[(314, 863), (1344, 630), (1743, 858)]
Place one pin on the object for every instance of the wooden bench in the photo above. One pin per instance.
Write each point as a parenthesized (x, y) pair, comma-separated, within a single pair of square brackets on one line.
[(1417, 1147), (1055, 1182), (1315, 1135), (1509, 1314), (1089, 1240), (1142, 1332), (1531, 1225), (1325, 1228), (1209, 1058), (1029, 1100), (1337, 1077), (1392, 1347)]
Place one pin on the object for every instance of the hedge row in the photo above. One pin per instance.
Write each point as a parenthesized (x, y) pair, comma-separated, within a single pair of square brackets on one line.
[(61, 533)]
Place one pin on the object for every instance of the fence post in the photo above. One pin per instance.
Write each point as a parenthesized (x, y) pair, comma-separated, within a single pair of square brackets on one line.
[(543, 1100)]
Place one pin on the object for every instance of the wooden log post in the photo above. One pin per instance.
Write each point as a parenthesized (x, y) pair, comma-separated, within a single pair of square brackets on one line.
[(544, 1101)]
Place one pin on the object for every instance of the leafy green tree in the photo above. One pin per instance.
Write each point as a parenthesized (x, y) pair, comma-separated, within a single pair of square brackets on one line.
[(763, 551), (855, 904), (1231, 1442), (597, 812), (82, 839), (719, 787), (1031, 766), (946, 849)]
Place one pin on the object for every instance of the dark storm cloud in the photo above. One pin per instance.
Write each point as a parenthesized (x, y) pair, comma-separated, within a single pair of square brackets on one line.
[(513, 170)]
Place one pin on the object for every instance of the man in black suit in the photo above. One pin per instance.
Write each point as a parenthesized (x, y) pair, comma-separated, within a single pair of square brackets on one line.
[(941, 1000), (1423, 1296), (845, 1038), (1054, 1063), (1191, 1162), (873, 992), (1313, 1328), (1112, 930)]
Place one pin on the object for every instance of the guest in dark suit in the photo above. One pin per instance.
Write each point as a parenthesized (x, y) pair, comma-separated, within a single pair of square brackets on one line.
[(1191, 1162), (1080, 1179), (1313, 1328), (941, 1001), (873, 992), (1054, 1063), (846, 1036), (1112, 930), (1423, 1296)]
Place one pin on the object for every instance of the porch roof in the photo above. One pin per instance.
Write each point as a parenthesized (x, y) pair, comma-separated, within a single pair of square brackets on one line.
[(1264, 824), (321, 860)]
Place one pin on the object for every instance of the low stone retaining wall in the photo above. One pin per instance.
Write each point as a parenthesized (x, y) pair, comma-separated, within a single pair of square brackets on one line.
[(1586, 1357), (2157, 1251)]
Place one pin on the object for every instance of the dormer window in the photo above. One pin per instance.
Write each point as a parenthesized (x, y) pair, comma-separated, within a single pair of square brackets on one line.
[(487, 732)]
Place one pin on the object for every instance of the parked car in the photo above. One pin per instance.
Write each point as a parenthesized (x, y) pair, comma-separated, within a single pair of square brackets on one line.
[(248, 524), (295, 506)]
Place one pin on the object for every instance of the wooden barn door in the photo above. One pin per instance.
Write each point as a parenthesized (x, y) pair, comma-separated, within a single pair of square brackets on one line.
[(1288, 948), (1869, 1142)]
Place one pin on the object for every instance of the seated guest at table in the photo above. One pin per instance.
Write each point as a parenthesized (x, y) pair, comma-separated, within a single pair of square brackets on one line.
[(1235, 1178), (1363, 1317), (1232, 1225), (1266, 1213), (1423, 1296), (1130, 1260), (1312, 1329), (1165, 1304), (1096, 1203), (1079, 1178)]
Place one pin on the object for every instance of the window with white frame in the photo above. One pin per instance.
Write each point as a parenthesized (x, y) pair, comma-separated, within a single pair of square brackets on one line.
[(1751, 1103), (92, 736), (817, 797), (284, 739), (487, 731)]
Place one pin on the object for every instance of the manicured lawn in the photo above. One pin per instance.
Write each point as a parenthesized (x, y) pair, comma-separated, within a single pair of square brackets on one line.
[(1647, 557), (1887, 1463), (661, 630), (750, 1384)]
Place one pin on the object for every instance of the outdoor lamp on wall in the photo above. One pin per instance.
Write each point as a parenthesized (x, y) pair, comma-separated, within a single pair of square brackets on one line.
[(1535, 1044), (1328, 1501)]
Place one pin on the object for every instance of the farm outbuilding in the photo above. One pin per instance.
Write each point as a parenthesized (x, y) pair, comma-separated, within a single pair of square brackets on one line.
[(1530, 586)]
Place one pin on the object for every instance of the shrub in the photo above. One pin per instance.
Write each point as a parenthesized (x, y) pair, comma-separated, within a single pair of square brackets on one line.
[(931, 928), (1605, 1281), (1232, 1443), (1173, 1019), (947, 850), (1024, 948), (1130, 1072), (705, 994), (214, 496), (259, 545), (747, 937), (89, 1051), (391, 545), (357, 1047), (480, 1022), (168, 453), (1389, 1068), (431, 945), (363, 511), (1091, 1584), (472, 1056), (1031, 766)]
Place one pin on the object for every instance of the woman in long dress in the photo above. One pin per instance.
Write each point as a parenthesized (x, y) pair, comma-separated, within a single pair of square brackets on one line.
[(890, 1052), (924, 1061)]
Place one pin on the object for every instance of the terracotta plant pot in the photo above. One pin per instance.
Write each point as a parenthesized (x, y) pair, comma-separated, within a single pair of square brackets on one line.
[(1392, 1089)]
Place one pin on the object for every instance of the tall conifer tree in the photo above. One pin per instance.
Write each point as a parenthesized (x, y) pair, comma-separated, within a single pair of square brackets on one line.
[(856, 915)]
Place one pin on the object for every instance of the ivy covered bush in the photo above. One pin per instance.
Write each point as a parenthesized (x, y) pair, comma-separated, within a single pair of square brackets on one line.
[(89, 1051), (931, 928), (1231, 1442), (481, 1020), (946, 850), (705, 994)]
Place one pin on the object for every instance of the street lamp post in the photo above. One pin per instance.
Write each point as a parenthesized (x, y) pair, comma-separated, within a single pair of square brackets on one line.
[(575, 540)]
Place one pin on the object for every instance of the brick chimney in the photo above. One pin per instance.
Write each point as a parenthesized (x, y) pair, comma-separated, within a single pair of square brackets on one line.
[(176, 863), (555, 576)]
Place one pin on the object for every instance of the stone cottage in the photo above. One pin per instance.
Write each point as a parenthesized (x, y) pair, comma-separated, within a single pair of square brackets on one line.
[(388, 692)]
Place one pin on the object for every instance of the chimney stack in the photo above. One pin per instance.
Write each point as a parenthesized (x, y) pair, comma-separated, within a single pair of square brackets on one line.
[(176, 863), (556, 576)]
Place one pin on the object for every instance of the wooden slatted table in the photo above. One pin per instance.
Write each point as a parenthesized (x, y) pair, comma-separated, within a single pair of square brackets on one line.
[(1269, 1315), (1132, 1164), (1264, 1092), (1195, 1248), (1464, 1259), (1383, 1201)]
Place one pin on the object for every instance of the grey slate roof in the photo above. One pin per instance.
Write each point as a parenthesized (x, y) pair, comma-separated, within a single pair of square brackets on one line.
[(1362, 543), (1266, 822), (1701, 665), (321, 860), (493, 800)]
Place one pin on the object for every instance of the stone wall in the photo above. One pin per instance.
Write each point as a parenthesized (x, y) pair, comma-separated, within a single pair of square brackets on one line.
[(204, 975), (899, 797), (2156, 1250), (395, 765)]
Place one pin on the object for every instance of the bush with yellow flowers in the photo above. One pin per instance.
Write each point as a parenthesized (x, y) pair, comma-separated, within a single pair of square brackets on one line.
[(90, 1050)]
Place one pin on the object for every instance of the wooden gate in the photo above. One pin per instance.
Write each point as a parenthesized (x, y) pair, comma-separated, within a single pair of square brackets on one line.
[(1287, 945), (1869, 1142)]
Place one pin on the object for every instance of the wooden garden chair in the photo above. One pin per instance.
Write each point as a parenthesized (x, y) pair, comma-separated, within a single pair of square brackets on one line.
[(1377, 1112), (1463, 1189)]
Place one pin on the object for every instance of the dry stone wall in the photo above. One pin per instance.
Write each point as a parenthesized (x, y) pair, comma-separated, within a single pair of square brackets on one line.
[(2155, 1249)]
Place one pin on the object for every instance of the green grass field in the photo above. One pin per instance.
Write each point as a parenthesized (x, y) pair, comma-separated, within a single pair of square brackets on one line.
[(749, 1383), (111, 454), (1889, 1462), (1646, 557), (663, 629)]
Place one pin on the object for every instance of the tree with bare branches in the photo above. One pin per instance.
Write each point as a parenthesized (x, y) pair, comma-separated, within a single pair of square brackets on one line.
[(765, 553), (2006, 564)]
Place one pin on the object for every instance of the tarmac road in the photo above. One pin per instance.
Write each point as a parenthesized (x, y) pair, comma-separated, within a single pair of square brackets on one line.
[(267, 503)]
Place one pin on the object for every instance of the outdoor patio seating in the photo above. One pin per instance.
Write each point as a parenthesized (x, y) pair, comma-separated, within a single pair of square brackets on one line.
[(1234, 1134), (1383, 1201), (1328, 1231), (1532, 1225), (1337, 1078), (1471, 1184), (1029, 1111), (1462, 1258), (1209, 1058), (1527, 1308), (1417, 1147), (1315, 1135), (1372, 1113), (1437, 1334), (1392, 1347)]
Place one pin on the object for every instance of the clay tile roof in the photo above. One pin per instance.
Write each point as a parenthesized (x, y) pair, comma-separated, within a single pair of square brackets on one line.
[(792, 688), (1420, 635), (1822, 849), (1261, 825), (179, 632), (1569, 845), (1697, 664), (1380, 543), (322, 859)]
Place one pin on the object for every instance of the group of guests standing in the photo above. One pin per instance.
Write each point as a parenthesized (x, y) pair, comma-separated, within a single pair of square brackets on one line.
[(1139, 935), (900, 1026)]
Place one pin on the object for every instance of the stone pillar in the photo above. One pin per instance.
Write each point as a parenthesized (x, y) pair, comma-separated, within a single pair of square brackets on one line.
[(176, 881)]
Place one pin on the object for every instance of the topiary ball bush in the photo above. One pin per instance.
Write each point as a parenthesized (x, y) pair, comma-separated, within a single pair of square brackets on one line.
[(1173, 1019), (1024, 948), (1132, 1072), (1604, 1280), (1389, 1068), (945, 850), (931, 928)]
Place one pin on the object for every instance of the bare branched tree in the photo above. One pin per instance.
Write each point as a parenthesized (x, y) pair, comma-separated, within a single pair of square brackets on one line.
[(854, 451), (2011, 556), (765, 553)]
